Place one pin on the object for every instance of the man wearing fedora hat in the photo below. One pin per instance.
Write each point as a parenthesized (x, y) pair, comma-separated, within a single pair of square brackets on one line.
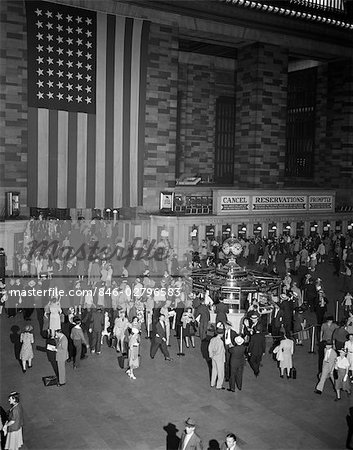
[(189, 439), (237, 362)]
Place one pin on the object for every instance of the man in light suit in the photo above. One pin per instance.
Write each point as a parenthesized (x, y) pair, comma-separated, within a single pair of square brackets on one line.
[(327, 367), (61, 355), (189, 439), (216, 352)]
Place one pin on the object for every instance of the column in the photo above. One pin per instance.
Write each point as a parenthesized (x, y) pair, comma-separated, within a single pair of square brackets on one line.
[(261, 104)]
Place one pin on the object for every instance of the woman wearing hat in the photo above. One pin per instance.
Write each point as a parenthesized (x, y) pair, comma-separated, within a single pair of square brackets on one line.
[(284, 352), (134, 345), (26, 353), (14, 424), (342, 381)]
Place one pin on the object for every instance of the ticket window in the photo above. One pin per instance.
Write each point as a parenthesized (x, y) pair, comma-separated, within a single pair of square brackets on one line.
[(350, 228), (272, 230), (286, 229), (257, 230), (242, 231), (210, 232), (194, 235), (300, 229), (326, 228), (313, 229), (338, 227), (226, 232)]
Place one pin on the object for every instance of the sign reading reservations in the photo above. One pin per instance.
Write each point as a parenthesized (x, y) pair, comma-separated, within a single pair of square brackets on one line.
[(235, 203), (279, 202), (321, 202)]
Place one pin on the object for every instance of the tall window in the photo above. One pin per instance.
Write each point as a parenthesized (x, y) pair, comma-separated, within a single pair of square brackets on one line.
[(225, 140), (301, 123)]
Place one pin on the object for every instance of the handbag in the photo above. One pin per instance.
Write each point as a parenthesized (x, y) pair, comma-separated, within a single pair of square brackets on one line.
[(280, 356), (50, 380), (294, 373)]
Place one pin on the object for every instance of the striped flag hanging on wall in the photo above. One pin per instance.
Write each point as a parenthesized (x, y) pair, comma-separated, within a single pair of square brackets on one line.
[(86, 107)]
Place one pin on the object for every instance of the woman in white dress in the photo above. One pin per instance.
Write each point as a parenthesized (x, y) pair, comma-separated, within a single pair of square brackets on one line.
[(284, 352), (53, 311), (348, 347)]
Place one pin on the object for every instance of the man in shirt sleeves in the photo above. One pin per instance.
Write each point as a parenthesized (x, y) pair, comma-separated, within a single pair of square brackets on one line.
[(327, 367), (189, 439)]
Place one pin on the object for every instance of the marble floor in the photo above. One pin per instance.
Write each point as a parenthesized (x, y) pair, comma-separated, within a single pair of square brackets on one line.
[(100, 408)]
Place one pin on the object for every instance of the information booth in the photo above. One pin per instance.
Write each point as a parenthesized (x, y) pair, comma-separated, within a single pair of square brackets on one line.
[(236, 286)]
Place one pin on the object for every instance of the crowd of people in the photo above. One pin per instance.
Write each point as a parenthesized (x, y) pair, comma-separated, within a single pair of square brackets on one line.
[(100, 291)]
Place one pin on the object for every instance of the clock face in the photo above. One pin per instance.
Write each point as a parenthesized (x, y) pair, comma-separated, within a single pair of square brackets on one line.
[(225, 248), (236, 248)]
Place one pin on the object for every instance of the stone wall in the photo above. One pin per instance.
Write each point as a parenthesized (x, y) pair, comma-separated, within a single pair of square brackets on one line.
[(13, 98), (261, 103), (201, 80), (334, 132), (161, 113)]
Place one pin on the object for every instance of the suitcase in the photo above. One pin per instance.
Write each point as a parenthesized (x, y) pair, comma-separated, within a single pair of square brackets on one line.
[(51, 380), (123, 362), (294, 373)]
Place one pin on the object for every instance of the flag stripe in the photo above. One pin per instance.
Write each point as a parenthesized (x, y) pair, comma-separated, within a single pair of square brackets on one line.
[(86, 107), (100, 108), (142, 110), (118, 112), (81, 160), (32, 158), (62, 157), (126, 112), (91, 161), (53, 159), (109, 125), (134, 102), (43, 157), (72, 160)]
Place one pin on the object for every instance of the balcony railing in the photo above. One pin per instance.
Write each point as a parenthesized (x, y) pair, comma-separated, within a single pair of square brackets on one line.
[(338, 13), (328, 8)]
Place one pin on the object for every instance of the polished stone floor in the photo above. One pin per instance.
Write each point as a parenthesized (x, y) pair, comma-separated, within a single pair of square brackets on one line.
[(101, 408)]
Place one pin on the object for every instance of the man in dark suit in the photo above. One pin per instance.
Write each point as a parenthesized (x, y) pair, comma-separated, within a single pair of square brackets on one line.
[(222, 309), (229, 336), (202, 315), (276, 322), (160, 339), (286, 308), (237, 363), (189, 439), (256, 349)]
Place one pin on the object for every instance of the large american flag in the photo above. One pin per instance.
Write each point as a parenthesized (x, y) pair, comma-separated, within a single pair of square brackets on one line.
[(86, 115)]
